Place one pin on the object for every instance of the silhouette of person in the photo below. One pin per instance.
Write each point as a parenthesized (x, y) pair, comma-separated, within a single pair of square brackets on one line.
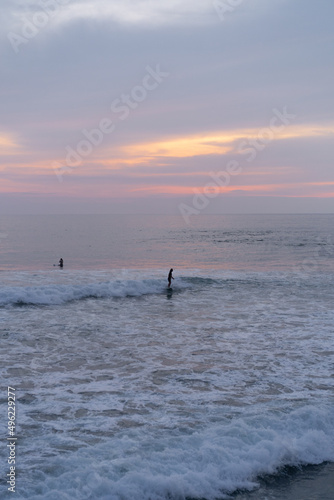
[(170, 278), (61, 263)]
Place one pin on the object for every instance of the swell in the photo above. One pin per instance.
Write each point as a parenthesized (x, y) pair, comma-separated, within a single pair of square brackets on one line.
[(57, 294)]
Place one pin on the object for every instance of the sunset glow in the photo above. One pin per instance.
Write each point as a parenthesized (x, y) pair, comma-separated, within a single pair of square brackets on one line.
[(161, 114)]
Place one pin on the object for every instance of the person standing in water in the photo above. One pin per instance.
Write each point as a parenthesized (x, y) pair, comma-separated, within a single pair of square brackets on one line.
[(61, 263), (170, 278)]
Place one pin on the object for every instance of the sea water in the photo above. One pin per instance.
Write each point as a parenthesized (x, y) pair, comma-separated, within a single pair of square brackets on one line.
[(220, 388)]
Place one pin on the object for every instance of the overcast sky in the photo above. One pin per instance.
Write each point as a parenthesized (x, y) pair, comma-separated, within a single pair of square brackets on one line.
[(166, 106)]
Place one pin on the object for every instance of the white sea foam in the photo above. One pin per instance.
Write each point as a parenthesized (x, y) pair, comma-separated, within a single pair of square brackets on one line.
[(204, 463), (162, 396), (57, 294)]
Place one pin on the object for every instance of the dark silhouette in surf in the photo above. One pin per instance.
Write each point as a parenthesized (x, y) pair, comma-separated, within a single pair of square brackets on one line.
[(170, 278)]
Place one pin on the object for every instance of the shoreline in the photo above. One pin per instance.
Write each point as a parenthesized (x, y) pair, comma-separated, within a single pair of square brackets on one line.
[(310, 482)]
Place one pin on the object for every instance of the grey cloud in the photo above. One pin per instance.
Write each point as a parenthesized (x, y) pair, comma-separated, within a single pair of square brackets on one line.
[(223, 75)]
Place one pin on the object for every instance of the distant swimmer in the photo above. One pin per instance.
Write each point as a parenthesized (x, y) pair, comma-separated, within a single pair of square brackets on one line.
[(170, 278), (61, 263)]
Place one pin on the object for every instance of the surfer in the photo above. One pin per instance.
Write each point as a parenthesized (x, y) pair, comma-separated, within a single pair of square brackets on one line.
[(170, 278), (61, 263)]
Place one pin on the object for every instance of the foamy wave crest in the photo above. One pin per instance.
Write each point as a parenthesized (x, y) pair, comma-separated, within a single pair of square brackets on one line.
[(222, 460), (207, 464), (57, 294)]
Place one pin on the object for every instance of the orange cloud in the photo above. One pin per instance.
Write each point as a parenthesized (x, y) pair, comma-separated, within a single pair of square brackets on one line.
[(279, 189), (34, 174), (215, 143), (185, 190), (8, 146), (182, 147)]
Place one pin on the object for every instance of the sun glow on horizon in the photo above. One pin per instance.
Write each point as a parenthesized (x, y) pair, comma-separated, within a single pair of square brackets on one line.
[(140, 168)]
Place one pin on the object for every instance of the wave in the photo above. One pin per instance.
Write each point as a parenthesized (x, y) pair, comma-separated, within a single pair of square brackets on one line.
[(224, 459), (206, 464), (57, 294), (197, 280)]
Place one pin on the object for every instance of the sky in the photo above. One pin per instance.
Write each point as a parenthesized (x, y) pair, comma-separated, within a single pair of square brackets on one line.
[(179, 107)]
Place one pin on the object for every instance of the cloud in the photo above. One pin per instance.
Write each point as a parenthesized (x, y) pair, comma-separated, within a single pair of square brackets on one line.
[(52, 14), (8, 144), (225, 79)]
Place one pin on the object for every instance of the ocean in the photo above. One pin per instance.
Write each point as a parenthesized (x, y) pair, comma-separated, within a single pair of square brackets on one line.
[(122, 390)]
